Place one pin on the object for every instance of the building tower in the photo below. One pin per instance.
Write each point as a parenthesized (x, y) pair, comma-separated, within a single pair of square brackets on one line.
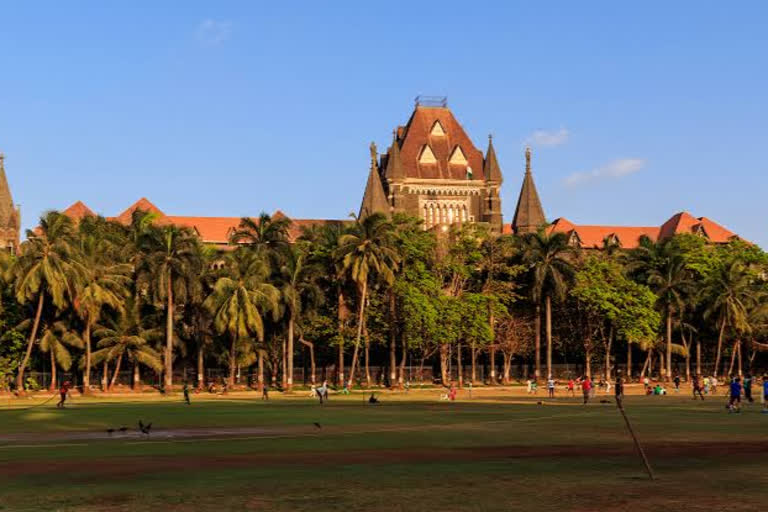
[(529, 215), (433, 171), (10, 215)]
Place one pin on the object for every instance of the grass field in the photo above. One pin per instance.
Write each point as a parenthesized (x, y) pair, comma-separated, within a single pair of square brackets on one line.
[(500, 451)]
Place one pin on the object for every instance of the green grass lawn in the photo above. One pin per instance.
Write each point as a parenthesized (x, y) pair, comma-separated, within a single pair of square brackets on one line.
[(496, 452)]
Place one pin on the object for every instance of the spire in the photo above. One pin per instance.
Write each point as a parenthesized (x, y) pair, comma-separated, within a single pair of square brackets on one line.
[(394, 170), (529, 215), (491, 168), (374, 198), (7, 210)]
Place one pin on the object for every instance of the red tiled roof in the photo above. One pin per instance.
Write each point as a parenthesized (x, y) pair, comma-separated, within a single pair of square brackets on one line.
[(629, 236), (417, 134), (77, 211), (142, 204)]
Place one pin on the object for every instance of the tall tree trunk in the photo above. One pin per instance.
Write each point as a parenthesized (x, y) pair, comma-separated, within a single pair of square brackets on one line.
[(232, 363), (629, 361), (284, 365), (588, 361), (460, 367), (549, 336), (290, 353), (200, 366), (403, 361), (116, 372), (87, 368), (392, 340), (52, 386), (698, 357), (537, 342), (739, 360), (507, 368), (168, 382), (341, 307), (104, 375), (360, 320), (367, 356), (30, 341), (473, 355), (734, 350), (492, 349), (719, 346), (646, 365), (260, 374), (608, 356), (444, 377), (136, 376), (312, 367), (669, 343)]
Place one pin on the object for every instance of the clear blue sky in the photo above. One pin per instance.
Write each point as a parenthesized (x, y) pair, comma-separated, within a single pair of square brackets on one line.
[(634, 111)]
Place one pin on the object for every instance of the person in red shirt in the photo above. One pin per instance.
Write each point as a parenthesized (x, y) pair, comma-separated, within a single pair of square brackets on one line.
[(570, 387), (586, 387), (63, 392)]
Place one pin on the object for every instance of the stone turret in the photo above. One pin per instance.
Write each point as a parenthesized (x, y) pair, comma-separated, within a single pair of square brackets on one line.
[(10, 215), (529, 215)]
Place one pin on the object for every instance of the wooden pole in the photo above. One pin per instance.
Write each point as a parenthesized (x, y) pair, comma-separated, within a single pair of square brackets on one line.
[(634, 438)]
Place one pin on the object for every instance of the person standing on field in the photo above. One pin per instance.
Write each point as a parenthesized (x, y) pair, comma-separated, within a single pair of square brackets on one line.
[(677, 383), (618, 389), (63, 393), (748, 388), (696, 383), (571, 387), (586, 388), (551, 387)]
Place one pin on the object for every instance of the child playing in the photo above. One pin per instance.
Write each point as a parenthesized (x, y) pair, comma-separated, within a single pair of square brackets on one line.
[(551, 387), (571, 387)]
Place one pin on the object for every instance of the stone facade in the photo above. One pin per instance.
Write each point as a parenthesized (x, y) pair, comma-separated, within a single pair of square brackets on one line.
[(433, 171), (10, 215)]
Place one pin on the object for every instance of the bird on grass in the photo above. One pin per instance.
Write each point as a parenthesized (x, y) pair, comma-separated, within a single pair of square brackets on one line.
[(317, 425), (604, 401), (123, 430), (110, 431), (145, 429)]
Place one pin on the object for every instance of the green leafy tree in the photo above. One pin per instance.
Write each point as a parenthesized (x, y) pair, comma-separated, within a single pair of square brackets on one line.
[(44, 271), (549, 260), (240, 299), (168, 270), (367, 251)]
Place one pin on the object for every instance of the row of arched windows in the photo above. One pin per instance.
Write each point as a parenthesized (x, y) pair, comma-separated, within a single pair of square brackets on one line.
[(436, 213)]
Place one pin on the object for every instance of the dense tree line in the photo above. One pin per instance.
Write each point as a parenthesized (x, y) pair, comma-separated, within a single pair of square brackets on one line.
[(98, 297)]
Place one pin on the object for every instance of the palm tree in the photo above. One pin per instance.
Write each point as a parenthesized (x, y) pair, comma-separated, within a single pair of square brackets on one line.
[(56, 338), (240, 299), (103, 281), (44, 270), (325, 242), (125, 336), (548, 257), (169, 269), (661, 266), (367, 251), (298, 289), (729, 293), (267, 235)]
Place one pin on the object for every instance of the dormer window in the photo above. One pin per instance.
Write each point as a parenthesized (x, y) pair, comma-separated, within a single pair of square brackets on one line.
[(699, 230), (457, 157), (427, 156), (574, 240), (437, 130)]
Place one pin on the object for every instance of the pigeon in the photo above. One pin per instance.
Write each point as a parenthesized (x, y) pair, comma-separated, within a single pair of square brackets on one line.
[(317, 425), (123, 430), (145, 429), (604, 401), (110, 431), (539, 403)]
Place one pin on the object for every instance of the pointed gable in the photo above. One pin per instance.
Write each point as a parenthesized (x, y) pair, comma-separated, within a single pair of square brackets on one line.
[(427, 156), (529, 214), (457, 157), (78, 211), (437, 130), (374, 198), (142, 204)]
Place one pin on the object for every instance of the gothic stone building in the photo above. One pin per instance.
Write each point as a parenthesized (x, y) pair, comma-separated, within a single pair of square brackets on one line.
[(10, 216), (433, 171)]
